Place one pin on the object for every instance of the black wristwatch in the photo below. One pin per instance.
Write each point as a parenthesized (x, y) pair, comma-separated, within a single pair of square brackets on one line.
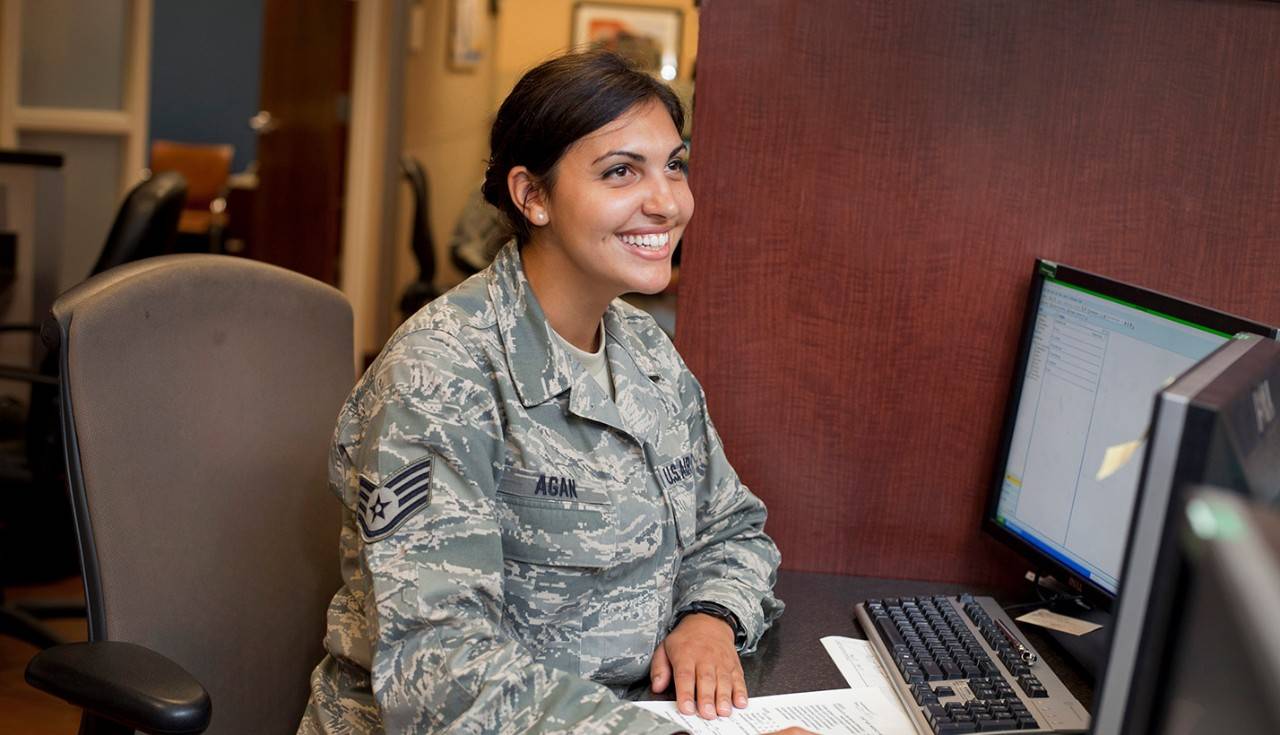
[(717, 610)]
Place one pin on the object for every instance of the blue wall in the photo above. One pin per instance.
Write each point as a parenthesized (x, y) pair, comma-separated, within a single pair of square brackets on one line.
[(205, 58)]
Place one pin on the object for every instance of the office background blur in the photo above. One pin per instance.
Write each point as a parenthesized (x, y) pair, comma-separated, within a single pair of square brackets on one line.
[(334, 90)]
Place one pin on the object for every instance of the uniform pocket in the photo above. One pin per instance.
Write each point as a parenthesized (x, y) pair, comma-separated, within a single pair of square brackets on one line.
[(567, 525), (675, 476)]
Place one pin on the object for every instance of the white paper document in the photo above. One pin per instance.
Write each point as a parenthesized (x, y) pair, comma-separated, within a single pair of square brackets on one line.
[(858, 664), (862, 711)]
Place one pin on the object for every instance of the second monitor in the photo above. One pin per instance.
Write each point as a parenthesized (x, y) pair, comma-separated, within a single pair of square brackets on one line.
[(1093, 353)]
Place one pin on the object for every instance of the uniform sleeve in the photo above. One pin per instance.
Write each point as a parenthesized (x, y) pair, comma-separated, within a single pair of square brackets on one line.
[(444, 658), (732, 562)]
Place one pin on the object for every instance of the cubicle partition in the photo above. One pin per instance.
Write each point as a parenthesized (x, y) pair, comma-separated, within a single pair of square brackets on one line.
[(874, 180)]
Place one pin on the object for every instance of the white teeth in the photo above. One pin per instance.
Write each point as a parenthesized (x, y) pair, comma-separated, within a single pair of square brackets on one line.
[(649, 242)]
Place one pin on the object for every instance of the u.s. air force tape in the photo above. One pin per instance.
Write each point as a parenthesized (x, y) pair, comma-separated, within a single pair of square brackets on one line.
[(382, 508)]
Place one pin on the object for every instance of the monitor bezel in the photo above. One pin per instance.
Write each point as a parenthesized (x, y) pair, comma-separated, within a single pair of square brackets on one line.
[(1188, 311)]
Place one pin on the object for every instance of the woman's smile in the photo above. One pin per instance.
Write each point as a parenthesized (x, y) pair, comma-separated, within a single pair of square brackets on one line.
[(647, 244)]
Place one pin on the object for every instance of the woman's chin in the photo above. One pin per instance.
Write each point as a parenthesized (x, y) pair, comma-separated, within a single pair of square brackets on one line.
[(653, 286)]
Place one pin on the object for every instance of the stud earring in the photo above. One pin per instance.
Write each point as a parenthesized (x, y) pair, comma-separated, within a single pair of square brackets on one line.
[(540, 217)]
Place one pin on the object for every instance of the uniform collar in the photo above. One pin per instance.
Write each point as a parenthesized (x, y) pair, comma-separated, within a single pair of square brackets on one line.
[(538, 366), (541, 369)]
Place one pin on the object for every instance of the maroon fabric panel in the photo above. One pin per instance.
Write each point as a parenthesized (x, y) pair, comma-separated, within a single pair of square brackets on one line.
[(873, 182)]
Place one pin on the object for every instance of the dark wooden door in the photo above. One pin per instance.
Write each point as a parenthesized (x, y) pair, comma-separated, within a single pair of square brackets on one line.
[(302, 135)]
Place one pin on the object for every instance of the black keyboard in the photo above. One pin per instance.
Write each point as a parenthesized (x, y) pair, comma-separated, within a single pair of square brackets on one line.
[(959, 665)]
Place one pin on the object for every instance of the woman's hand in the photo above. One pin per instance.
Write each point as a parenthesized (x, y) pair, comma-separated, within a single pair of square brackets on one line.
[(700, 655)]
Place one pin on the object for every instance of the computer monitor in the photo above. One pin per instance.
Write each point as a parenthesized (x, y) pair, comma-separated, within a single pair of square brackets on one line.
[(1222, 666), (1216, 424), (1093, 353)]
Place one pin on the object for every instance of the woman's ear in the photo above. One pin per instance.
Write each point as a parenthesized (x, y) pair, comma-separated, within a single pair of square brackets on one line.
[(527, 194)]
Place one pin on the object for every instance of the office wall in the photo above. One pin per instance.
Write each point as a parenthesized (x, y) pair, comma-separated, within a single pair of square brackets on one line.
[(205, 60), (532, 31), (873, 181), (447, 115)]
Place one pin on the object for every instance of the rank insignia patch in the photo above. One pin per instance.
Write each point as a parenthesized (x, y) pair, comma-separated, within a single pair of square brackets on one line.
[(382, 508)]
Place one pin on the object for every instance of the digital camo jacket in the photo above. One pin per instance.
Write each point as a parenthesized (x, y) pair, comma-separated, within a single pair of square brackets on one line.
[(515, 543)]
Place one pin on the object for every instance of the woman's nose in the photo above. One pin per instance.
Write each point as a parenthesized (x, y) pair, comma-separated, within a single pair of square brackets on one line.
[(661, 201)]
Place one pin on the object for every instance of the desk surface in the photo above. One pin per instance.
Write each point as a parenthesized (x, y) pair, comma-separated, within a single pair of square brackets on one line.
[(791, 657)]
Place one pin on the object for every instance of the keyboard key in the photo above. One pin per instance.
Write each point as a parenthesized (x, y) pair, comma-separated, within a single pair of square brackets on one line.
[(886, 630), (1032, 686), (935, 712)]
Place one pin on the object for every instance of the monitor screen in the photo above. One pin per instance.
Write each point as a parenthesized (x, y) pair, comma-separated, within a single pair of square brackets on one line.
[(1094, 353)]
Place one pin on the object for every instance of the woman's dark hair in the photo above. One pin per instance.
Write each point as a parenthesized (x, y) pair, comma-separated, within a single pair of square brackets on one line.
[(552, 106)]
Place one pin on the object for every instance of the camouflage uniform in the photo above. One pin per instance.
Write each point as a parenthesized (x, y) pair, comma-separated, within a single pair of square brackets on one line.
[(516, 543)]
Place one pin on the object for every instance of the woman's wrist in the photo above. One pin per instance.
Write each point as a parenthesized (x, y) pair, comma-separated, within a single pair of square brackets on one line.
[(718, 611)]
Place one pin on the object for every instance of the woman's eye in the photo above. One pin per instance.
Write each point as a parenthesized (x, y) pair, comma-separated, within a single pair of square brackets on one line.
[(678, 165), (617, 172)]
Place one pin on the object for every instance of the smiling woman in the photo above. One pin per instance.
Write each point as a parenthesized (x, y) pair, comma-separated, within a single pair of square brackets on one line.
[(539, 513), (609, 224)]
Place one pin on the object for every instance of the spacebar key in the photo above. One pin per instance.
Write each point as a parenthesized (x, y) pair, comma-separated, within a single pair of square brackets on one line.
[(887, 631)]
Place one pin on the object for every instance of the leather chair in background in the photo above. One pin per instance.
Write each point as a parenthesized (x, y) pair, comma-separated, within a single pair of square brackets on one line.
[(146, 223), (199, 397), (207, 169), (423, 289), (37, 541)]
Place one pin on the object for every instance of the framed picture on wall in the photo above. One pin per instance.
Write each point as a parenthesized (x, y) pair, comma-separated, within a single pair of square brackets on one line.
[(466, 34), (648, 36)]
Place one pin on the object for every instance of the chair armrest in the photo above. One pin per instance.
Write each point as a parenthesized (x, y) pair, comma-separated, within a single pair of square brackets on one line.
[(25, 375), (124, 683)]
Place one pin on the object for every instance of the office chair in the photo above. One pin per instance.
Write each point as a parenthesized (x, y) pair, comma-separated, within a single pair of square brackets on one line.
[(423, 290), (199, 394), (207, 169), (33, 478), (146, 221)]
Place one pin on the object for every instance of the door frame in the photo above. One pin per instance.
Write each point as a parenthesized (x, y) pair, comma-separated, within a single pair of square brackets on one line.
[(129, 123), (374, 143)]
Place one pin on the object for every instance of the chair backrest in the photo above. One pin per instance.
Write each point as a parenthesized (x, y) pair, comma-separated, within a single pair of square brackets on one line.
[(199, 397), (421, 241), (422, 290), (206, 167), (146, 221)]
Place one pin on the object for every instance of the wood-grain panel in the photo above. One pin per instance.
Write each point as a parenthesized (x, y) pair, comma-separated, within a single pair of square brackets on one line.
[(873, 182)]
